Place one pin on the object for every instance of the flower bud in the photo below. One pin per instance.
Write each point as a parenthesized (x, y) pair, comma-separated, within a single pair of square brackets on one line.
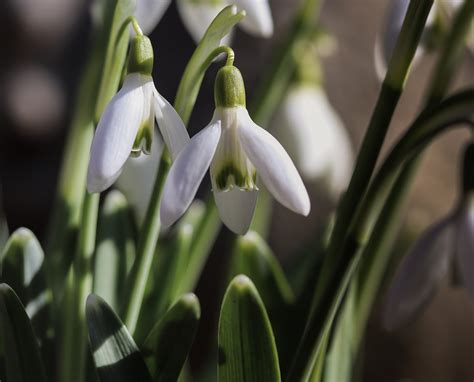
[(141, 56), (229, 88)]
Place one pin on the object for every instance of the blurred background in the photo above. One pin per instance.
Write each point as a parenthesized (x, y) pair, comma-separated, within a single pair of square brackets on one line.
[(44, 46)]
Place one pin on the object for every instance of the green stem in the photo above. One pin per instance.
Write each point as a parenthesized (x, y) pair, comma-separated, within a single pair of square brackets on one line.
[(146, 250), (79, 285), (377, 253)]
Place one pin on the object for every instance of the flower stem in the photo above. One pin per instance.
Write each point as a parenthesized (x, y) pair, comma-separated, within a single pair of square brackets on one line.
[(392, 87), (146, 250), (377, 252), (72, 361)]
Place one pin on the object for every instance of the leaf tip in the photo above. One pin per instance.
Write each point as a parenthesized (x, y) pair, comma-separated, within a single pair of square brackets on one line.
[(190, 301)]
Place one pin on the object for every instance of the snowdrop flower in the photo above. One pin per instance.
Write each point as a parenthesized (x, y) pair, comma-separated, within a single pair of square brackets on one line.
[(197, 15), (451, 240), (315, 137), (127, 124), (236, 150), (386, 41)]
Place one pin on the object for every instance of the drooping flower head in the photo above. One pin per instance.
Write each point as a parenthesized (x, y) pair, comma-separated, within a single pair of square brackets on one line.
[(311, 131), (126, 126), (450, 241), (238, 152)]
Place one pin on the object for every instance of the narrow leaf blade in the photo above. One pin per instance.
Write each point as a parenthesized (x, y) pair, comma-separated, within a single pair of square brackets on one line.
[(20, 347), (247, 350), (115, 248), (115, 354), (167, 346), (254, 258)]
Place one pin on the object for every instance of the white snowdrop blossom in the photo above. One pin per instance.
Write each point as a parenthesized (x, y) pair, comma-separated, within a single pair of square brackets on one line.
[(450, 241), (315, 137), (197, 15), (126, 127), (237, 151)]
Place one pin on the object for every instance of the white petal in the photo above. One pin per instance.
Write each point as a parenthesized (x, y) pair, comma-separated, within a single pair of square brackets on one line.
[(258, 20), (116, 132), (149, 12), (187, 172), (138, 178), (465, 244), (171, 125), (273, 165), (198, 15), (420, 273), (236, 208)]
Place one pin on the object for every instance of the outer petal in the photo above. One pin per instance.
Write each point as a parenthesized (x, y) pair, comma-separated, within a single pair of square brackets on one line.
[(420, 273), (138, 178), (149, 13), (273, 165), (465, 244), (187, 172), (198, 15), (236, 208), (258, 20), (171, 125), (115, 134)]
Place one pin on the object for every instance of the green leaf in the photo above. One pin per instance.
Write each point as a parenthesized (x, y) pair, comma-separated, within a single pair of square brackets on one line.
[(115, 248), (20, 348), (254, 258), (194, 73), (97, 86), (247, 350), (22, 267), (167, 346), (115, 354)]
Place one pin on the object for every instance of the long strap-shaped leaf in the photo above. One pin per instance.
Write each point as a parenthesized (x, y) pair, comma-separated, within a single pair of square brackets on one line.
[(116, 356), (20, 348), (247, 350), (167, 346)]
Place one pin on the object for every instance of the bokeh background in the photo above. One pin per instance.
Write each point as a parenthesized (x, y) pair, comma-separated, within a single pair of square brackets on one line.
[(44, 45)]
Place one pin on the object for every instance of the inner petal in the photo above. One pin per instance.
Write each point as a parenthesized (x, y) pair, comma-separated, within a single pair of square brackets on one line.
[(230, 167), (144, 137)]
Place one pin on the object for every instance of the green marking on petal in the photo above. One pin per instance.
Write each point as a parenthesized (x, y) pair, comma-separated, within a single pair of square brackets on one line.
[(229, 175), (143, 140)]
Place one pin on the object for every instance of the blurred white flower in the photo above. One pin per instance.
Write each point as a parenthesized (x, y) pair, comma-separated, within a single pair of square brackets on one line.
[(197, 15), (236, 150), (315, 137), (451, 240), (138, 178)]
